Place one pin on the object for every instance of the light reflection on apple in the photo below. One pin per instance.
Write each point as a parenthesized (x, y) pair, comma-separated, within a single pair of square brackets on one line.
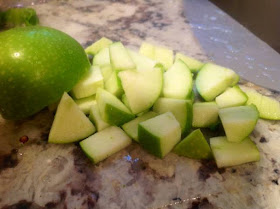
[(16, 54)]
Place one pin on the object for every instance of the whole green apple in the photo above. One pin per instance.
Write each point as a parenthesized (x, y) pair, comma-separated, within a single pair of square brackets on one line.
[(37, 64)]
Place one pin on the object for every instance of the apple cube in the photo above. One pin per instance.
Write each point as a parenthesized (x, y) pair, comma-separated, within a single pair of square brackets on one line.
[(70, 123), (239, 122), (160, 134), (111, 109)]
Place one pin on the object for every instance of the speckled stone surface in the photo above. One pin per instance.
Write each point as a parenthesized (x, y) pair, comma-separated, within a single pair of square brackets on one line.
[(41, 175)]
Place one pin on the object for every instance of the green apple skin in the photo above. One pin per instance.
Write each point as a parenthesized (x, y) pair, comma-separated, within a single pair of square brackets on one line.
[(37, 64)]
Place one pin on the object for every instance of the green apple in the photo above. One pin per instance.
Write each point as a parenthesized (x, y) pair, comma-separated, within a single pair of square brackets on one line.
[(98, 46), (147, 50), (228, 153), (231, 97), (205, 114), (37, 65), (142, 62), (119, 57), (70, 123), (106, 71), (102, 58), (111, 109), (193, 64), (194, 146), (131, 127), (181, 109), (113, 84), (105, 143), (95, 117), (213, 80), (89, 84), (177, 81), (239, 122), (159, 134), (160, 54), (85, 103), (142, 88), (268, 107), (164, 56)]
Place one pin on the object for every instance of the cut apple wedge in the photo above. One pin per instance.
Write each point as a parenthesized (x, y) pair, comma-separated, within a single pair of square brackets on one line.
[(125, 101), (142, 88), (194, 146), (98, 46), (142, 62), (106, 71), (86, 103), (105, 143), (177, 81), (164, 56), (213, 80), (102, 58), (88, 85), (131, 128), (111, 109), (239, 122), (70, 123), (228, 153), (232, 97), (113, 84), (193, 64), (205, 114), (120, 59), (160, 134), (147, 50), (268, 107), (160, 54), (181, 109), (95, 117)]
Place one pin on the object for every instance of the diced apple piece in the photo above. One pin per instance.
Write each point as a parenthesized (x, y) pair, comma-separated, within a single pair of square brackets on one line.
[(131, 128), (95, 117), (111, 109), (113, 84), (205, 114), (213, 80), (160, 134), (125, 101), (147, 50), (268, 107), (102, 58), (239, 122), (181, 109), (105, 143), (193, 64), (142, 88), (106, 71), (142, 62), (235, 79), (228, 153), (164, 56), (177, 81), (194, 146), (70, 123), (120, 59), (88, 85), (98, 45), (232, 97), (86, 103)]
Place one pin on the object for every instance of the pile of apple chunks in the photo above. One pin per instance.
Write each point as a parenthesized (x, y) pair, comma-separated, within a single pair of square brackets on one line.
[(161, 103)]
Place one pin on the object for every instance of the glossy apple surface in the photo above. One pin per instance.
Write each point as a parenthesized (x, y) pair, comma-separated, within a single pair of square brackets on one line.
[(37, 64)]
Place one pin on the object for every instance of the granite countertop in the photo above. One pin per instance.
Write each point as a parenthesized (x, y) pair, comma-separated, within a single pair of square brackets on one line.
[(41, 175)]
